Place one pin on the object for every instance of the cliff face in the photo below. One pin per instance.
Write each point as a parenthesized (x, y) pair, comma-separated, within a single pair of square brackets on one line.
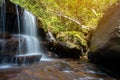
[(105, 43), (108, 29), (9, 17), (11, 8)]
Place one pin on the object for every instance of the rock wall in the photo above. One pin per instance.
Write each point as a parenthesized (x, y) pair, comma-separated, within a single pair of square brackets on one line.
[(106, 38), (9, 46), (108, 29), (11, 8), (10, 16), (105, 43)]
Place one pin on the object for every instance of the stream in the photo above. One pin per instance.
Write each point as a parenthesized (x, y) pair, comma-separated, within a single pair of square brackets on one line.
[(57, 69)]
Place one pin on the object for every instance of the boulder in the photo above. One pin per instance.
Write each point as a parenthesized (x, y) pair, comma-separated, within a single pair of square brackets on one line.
[(105, 42), (63, 51)]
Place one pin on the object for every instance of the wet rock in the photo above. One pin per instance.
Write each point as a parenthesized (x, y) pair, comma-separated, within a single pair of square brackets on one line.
[(63, 51), (11, 8), (27, 59), (9, 47), (10, 22), (41, 31), (58, 70), (5, 35)]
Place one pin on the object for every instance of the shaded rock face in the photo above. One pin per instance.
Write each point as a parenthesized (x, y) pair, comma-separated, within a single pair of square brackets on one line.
[(107, 34), (11, 8), (41, 34), (9, 47), (63, 51), (5, 35), (10, 16), (13, 49), (105, 43), (107, 29)]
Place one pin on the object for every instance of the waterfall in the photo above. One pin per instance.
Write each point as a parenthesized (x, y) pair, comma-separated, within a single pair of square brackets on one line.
[(30, 33), (19, 42), (19, 31), (2, 26), (27, 48)]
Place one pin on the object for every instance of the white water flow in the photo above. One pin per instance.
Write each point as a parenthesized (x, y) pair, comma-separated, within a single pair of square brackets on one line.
[(30, 34), (19, 31), (3, 18)]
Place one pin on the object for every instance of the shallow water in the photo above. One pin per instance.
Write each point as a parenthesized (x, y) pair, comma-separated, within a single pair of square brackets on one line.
[(58, 69)]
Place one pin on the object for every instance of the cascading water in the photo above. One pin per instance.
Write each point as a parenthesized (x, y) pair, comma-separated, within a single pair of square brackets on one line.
[(30, 33), (19, 31), (28, 48), (2, 27), (3, 57)]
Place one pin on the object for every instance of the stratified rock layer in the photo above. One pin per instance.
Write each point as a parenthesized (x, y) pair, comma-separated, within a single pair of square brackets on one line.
[(9, 46)]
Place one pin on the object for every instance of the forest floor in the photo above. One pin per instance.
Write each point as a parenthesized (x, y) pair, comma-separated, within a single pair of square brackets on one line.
[(58, 69)]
